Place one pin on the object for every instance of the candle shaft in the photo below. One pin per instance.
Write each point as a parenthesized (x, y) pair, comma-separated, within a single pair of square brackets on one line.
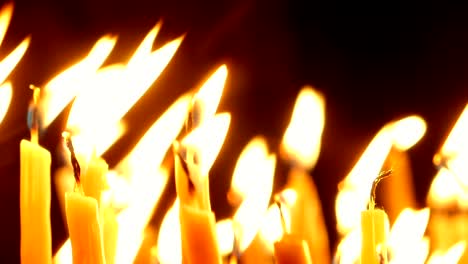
[(84, 228), (36, 243), (374, 230), (292, 250), (198, 233)]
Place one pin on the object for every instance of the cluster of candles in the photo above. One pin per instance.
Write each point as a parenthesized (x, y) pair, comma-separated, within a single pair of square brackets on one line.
[(107, 211)]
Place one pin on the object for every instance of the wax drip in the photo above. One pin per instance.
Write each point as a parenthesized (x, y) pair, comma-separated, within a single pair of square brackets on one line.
[(74, 161), (381, 176)]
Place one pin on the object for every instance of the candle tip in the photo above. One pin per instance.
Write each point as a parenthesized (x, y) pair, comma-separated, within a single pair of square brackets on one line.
[(382, 175), (74, 161)]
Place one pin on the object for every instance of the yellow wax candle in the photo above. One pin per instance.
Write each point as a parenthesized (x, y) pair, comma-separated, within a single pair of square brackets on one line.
[(36, 243), (197, 222), (374, 233), (292, 250), (199, 241), (257, 252), (374, 229), (84, 229), (110, 234)]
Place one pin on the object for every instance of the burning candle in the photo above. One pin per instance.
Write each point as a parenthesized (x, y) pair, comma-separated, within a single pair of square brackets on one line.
[(36, 241), (301, 147), (374, 228), (83, 219), (250, 192), (290, 248), (193, 159)]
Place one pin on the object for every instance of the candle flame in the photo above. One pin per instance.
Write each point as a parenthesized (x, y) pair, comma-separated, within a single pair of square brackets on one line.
[(407, 132), (302, 139), (406, 239), (5, 17), (446, 190), (457, 142), (225, 236), (5, 98), (146, 183), (243, 182), (272, 225), (10, 61), (354, 190), (207, 140), (66, 85), (349, 248), (113, 90), (253, 179), (169, 246), (206, 100), (453, 156), (271, 228), (451, 256)]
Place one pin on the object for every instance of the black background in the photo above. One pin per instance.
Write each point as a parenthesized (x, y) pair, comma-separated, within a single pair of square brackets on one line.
[(375, 61)]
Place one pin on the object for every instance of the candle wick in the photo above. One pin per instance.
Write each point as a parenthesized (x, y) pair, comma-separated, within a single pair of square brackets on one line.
[(279, 203), (33, 114), (235, 256), (382, 175), (180, 153), (74, 161)]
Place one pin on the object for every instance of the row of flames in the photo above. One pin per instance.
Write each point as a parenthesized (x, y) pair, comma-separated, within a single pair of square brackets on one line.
[(107, 93)]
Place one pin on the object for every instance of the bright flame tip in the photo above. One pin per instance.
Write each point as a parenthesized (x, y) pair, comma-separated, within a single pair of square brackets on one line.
[(408, 131)]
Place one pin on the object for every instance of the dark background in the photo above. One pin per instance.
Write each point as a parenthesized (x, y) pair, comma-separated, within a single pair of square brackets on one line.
[(375, 61)]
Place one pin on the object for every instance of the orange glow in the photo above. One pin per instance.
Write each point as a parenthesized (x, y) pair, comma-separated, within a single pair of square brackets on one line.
[(302, 139), (253, 177), (207, 140), (64, 87), (169, 246), (355, 189), (5, 99), (406, 239), (209, 95), (451, 256)]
